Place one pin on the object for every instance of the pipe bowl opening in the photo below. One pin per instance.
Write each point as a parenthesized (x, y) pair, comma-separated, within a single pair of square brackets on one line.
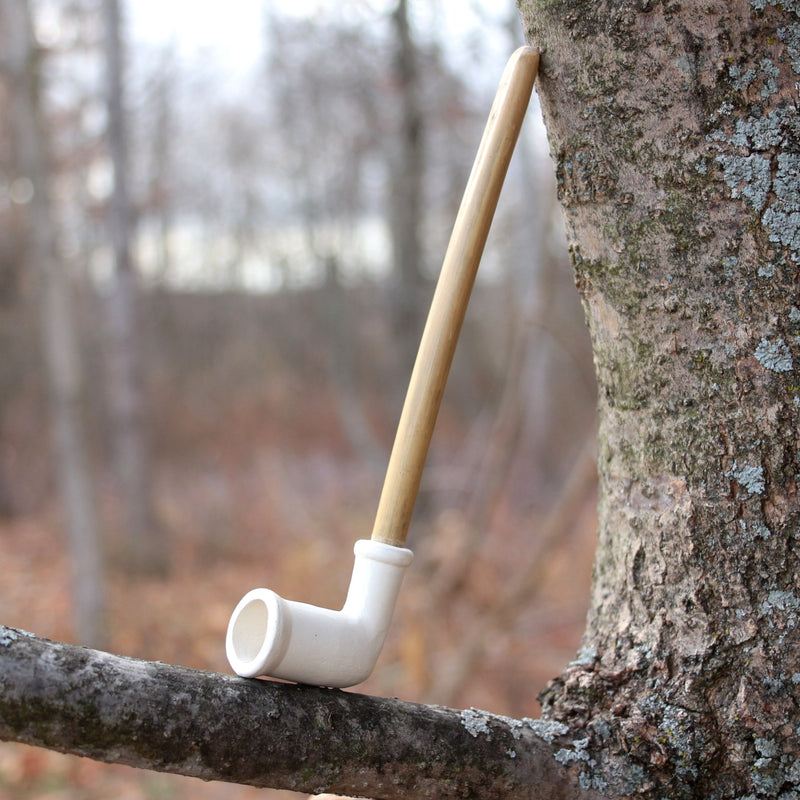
[(254, 638), (249, 629)]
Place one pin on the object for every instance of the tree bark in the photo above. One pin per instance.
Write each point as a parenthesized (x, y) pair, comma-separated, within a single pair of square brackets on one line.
[(264, 733), (674, 131)]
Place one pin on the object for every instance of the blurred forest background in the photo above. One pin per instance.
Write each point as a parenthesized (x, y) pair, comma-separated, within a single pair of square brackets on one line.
[(212, 286)]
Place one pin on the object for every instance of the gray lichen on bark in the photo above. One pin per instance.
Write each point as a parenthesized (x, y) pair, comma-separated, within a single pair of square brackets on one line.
[(674, 131), (263, 733)]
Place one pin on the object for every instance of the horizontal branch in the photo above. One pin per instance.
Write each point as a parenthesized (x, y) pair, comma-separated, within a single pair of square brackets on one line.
[(262, 733)]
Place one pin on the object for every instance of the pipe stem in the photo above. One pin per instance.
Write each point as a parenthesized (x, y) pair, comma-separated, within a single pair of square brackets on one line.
[(450, 299)]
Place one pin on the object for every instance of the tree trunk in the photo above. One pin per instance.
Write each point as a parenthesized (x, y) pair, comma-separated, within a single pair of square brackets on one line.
[(342, 368), (144, 545), (674, 131), (57, 327), (406, 204)]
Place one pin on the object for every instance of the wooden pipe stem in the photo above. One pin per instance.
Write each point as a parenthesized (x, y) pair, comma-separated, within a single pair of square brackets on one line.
[(450, 299)]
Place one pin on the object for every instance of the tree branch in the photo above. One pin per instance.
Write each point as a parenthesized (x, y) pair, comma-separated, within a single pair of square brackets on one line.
[(260, 733)]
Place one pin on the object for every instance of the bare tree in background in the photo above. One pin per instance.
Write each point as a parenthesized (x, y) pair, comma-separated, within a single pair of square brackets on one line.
[(331, 118), (144, 546), (160, 145), (15, 302), (406, 193), (58, 329)]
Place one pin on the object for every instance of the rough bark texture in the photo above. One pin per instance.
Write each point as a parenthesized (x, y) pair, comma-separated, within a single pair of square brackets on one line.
[(674, 131), (262, 733)]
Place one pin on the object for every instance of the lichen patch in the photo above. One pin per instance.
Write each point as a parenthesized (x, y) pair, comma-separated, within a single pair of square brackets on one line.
[(774, 355), (748, 476), (474, 720)]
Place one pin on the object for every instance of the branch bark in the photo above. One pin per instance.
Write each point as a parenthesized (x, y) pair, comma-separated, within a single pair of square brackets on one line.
[(266, 734)]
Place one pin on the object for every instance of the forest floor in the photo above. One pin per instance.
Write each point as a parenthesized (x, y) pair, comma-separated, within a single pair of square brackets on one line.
[(182, 619), (255, 486)]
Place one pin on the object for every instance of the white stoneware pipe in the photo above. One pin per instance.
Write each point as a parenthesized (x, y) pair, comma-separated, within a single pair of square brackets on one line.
[(268, 635)]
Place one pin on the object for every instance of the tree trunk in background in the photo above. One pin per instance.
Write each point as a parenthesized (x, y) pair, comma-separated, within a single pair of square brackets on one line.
[(349, 403), (58, 330), (143, 544), (160, 177), (674, 131), (406, 203)]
